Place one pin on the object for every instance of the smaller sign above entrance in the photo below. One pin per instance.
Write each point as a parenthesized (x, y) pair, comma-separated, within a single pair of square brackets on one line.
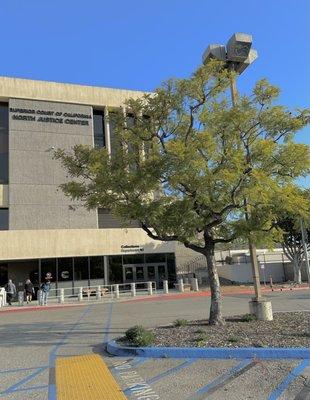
[(131, 248)]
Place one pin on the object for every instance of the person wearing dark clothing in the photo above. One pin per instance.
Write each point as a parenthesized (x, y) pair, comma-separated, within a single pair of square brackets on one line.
[(10, 289), (29, 290)]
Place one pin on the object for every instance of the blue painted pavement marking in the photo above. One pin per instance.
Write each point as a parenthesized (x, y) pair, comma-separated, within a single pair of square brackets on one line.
[(221, 379), (28, 389), (23, 381), (171, 371), (9, 371), (289, 379), (107, 325)]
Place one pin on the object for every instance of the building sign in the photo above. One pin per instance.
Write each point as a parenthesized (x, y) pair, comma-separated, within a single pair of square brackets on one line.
[(52, 117), (131, 248)]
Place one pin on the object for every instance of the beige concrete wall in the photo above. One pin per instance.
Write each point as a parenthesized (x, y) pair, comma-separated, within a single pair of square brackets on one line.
[(21, 244), (4, 195), (64, 92)]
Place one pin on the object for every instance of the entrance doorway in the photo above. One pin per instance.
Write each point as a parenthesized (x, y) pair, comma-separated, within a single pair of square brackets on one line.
[(156, 272)]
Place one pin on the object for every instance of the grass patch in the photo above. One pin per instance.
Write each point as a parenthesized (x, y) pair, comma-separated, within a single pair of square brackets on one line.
[(233, 339), (248, 318), (139, 336), (180, 322)]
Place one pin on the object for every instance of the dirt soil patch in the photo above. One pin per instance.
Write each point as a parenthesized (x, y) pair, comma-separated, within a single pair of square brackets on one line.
[(291, 329)]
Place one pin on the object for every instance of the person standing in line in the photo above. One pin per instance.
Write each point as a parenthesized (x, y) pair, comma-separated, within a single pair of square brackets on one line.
[(45, 288), (29, 290), (10, 289)]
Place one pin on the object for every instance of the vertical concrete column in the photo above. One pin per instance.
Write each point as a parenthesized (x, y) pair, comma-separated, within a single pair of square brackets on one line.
[(21, 298), (194, 284), (262, 309), (150, 288), (107, 130), (181, 285), (106, 270), (116, 291), (98, 293), (61, 298), (165, 287), (133, 289), (80, 294)]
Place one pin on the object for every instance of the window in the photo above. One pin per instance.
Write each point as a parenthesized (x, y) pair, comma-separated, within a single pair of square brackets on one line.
[(155, 258), (48, 265), (96, 267), (99, 134), (80, 268), (106, 220), (4, 219), (65, 269), (115, 269), (4, 148)]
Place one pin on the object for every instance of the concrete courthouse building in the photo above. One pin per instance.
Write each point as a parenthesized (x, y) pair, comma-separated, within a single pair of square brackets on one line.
[(41, 230)]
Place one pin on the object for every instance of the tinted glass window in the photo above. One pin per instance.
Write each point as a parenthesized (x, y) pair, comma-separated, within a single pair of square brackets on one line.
[(65, 269), (155, 258), (96, 267), (48, 265), (80, 268), (4, 148), (4, 219), (99, 138), (115, 269)]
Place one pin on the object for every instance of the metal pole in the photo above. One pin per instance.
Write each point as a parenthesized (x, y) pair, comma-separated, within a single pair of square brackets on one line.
[(252, 247), (303, 235)]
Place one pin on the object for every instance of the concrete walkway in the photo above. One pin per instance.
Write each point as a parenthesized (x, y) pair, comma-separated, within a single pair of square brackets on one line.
[(31, 344)]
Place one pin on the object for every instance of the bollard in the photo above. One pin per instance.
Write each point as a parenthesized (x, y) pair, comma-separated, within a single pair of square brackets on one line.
[(166, 290), (61, 298), (150, 288), (133, 289), (116, 291), (194, 284), (80, 295), (39, 297), (181, 285), (21, 298), (98, 293)]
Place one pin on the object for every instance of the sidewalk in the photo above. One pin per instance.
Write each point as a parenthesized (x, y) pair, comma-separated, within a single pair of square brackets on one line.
[(172, 295)]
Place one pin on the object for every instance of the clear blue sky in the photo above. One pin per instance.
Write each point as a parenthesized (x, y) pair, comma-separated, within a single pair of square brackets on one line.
[(139, 43)]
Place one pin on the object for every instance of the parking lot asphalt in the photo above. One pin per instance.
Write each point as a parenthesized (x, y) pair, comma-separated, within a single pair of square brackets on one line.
[(31, 342)]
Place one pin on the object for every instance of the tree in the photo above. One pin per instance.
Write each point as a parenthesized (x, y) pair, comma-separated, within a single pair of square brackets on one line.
[(290, 228), (184, 163)]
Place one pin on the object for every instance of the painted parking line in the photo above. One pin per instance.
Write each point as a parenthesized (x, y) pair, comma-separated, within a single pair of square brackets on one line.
[(9, 371), (289, 379), (211, 387), (85, 377), (27, 389), (27, 379)]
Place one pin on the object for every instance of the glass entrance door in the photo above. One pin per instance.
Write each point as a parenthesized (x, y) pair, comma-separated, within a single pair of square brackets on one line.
[(155, 272)]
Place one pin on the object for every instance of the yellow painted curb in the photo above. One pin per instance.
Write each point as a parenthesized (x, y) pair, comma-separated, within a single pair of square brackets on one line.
[(85, 377)]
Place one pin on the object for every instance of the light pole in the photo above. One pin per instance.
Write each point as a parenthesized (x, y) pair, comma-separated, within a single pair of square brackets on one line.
[(237, 56)]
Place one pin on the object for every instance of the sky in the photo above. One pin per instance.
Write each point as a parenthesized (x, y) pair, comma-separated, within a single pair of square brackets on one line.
[(138, 44)]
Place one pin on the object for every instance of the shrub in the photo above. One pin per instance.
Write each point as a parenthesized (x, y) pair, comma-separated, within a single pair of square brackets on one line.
[(233, 339), (139, 336), (180, 322), (248, 318)]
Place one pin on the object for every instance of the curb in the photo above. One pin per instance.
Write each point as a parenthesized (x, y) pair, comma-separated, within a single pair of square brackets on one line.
[(273, 353)]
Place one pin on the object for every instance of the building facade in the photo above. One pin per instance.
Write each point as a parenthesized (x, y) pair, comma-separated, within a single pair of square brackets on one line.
[(41, 230)]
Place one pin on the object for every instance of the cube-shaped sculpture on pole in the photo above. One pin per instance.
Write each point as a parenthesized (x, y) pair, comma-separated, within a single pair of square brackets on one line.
[(214, 51), (238, 47), (251, 58)]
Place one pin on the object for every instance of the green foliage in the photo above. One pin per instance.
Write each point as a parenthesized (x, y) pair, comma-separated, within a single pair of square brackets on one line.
[(180, 322), (248, 318), (233, 339), (139, 336), (186, 163)]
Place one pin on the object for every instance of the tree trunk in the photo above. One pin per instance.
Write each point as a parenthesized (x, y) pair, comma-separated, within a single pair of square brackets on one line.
[(215, 317), (297, 270)]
